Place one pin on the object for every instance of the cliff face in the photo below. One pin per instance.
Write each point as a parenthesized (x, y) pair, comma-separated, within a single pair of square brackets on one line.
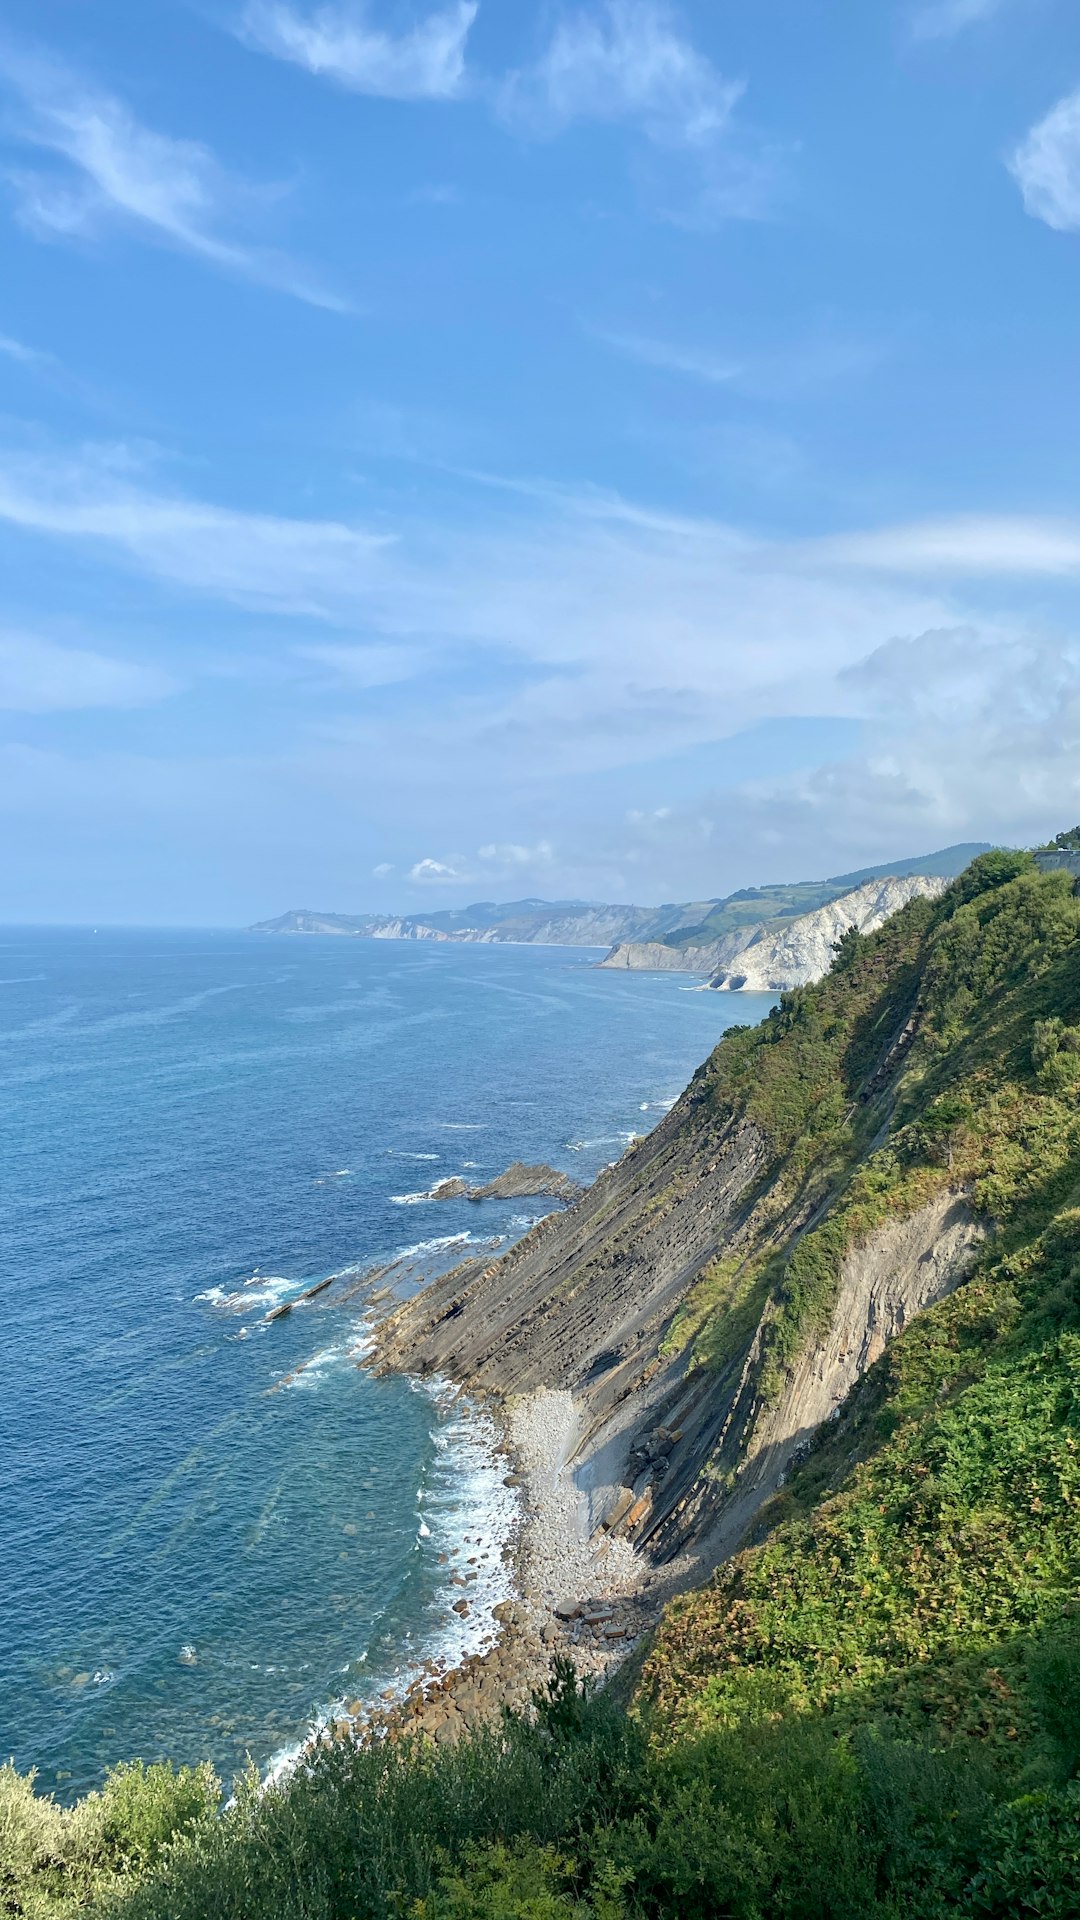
[(655, 956), (782, 958), (717, 1294)]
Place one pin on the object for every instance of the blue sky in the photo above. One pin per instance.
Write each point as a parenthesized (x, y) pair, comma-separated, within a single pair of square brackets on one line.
[(470, 450)]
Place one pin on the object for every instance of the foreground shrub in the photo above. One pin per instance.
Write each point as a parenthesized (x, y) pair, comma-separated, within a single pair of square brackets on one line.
[(55, 1860)]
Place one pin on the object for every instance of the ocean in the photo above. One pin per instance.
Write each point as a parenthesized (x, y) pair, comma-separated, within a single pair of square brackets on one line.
[(215, 1526)]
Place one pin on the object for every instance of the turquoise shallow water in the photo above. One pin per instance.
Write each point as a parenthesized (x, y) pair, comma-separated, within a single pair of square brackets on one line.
[(212, 1527)]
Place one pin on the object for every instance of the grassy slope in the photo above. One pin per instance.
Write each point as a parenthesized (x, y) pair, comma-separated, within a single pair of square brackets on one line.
[(874, 1710)]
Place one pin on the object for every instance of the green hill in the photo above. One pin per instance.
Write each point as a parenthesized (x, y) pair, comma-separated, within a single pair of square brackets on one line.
[(873, 1709)]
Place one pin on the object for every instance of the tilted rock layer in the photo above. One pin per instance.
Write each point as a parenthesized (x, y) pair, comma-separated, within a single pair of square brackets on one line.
[(713, 1298)]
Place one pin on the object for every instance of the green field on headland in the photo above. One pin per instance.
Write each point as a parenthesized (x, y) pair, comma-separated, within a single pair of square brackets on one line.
[(873, 1709)]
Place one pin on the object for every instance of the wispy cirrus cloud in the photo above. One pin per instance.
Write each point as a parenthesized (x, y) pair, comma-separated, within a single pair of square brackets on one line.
[(624, 60), (1046, 166), (116, 170), (104, 497), (632, 62), (824, 354), (39, 676), (24, 356), (715, 369), (339, 42), (624, 637)]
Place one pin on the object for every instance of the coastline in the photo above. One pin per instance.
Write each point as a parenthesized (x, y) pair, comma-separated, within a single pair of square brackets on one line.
[(573, 1594)]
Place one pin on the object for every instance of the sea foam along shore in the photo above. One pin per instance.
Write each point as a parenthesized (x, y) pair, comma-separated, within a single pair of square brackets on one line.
[(467, 1521), (568, 1591)]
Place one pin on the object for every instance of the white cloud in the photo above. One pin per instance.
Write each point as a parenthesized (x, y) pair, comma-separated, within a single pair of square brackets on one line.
[(624, 60), (1046, 167), (986, 545), (340, 43), (260, 560), (438, 871), (38, 676), (173, 190), (941, 19), (632, 62), (969, 737), (382, 871)]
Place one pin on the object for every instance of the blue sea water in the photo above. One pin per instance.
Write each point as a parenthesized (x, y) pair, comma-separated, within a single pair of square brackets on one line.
[(214, 1526)]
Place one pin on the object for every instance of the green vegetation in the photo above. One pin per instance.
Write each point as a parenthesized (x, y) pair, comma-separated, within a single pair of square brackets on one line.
[(873, 1711), (1068, 842), (56, 1861)]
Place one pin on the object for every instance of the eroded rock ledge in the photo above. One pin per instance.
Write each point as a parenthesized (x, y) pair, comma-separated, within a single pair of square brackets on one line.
[(519, 1182)]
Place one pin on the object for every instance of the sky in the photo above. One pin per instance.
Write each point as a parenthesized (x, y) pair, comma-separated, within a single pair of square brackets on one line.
[(475, 449)]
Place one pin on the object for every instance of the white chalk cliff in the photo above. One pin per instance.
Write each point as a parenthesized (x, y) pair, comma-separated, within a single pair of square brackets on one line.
[(781, 958)]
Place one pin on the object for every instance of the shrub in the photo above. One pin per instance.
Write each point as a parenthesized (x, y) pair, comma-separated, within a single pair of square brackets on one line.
[(1034, 1860)]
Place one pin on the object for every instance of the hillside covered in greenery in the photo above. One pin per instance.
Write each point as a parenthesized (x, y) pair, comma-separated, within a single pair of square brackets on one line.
[(871, 1710)]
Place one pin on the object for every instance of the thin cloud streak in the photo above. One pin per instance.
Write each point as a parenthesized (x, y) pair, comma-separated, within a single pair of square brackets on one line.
[(989, 545), (670, 358), (173, 190), (338, 43), (288, 566), (25, 356)]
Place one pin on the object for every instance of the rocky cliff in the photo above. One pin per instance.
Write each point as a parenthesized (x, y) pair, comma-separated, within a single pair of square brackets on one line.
[(657, 956), (717, 1294), (780, 958)]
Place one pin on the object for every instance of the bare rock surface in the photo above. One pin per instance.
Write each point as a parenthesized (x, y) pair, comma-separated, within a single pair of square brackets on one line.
[(780, 959), (656, 956)]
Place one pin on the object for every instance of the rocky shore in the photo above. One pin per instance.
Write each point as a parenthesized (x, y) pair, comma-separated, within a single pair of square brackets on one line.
[(577, 1596)]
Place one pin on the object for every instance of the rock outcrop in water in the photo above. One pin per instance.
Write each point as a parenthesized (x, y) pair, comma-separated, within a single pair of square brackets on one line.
[(519, 1182)]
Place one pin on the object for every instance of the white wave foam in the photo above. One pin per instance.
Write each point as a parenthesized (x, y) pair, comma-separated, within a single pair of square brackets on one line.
[(310, 1374), (471, 1516), (262, 1290), (602, 1140), (399, 1153), (409, 1199), (424, 1247)]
